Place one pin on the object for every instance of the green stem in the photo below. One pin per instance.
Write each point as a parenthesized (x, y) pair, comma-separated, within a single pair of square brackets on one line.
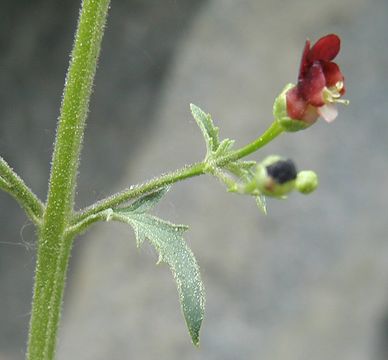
[(15, 186), (82, 225), (139, 190), (187, 172), (271, 133), (54, 244)]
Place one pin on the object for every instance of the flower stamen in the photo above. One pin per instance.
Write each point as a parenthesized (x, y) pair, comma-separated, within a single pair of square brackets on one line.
[(333, 94)]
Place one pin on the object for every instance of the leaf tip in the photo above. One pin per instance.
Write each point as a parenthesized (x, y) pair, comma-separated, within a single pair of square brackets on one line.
[(194, 109), (194, 334), (196, 343)]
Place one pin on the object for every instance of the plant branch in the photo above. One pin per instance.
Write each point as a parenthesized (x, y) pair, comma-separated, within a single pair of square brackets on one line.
[(82, 225), (15, 186), (187, 172), (139, 190)]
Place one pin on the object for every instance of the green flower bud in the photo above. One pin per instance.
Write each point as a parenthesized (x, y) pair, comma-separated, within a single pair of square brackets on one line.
[(306, 181), (281, 116), (275, 176)]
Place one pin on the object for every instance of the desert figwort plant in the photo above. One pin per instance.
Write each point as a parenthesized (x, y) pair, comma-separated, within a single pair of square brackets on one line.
[(320, 85)]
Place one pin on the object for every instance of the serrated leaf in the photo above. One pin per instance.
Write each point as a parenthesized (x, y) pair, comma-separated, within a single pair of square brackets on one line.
[(146, 202), (209, 131), (261, 203), (167, 239)]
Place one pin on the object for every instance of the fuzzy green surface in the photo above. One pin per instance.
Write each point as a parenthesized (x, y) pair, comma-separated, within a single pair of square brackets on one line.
[(54, 247)]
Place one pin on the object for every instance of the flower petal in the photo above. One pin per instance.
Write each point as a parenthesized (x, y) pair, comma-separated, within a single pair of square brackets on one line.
[(332, 73), (296, 105), (311, 86), (325, 49), (304, 64), (311, 115), (329, 112)]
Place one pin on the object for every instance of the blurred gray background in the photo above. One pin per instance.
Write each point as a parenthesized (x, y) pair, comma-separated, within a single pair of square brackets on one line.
[(307, 281)]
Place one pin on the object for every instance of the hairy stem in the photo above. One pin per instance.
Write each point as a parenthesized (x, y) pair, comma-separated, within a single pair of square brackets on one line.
[(54, 244), (187, 172), (271, 133), (139, 190), (15, 186)]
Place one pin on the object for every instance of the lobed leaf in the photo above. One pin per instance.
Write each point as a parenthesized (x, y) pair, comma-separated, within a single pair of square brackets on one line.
[(168, 241), (209, 131), (146, 202), (224, 148)]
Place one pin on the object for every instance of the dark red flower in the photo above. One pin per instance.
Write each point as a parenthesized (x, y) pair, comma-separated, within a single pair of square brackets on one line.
[(320, 82)]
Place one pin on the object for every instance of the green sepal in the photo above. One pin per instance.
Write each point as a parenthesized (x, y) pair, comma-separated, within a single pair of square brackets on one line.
[(281, 116)]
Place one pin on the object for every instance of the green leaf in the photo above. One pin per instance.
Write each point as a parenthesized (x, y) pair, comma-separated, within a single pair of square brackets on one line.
[(242, 169), (168, 241), (209, 131), (224, 148), (146, 202)]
